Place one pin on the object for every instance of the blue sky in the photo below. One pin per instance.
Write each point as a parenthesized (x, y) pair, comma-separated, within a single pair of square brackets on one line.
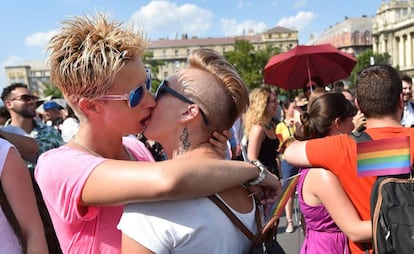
[(28, 25)]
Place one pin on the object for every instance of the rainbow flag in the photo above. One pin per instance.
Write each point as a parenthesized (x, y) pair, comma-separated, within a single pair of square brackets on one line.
[(384, 157), (289, 185)]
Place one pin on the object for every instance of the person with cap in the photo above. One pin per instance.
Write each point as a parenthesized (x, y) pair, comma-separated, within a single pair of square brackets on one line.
[(53, 114)]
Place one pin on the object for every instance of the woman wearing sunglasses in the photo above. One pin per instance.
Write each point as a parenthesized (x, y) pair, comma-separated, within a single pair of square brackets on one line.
[(96, 63), (208, 95)]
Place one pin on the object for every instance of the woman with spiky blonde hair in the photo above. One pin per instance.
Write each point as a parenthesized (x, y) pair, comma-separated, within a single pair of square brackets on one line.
[(97, 65)]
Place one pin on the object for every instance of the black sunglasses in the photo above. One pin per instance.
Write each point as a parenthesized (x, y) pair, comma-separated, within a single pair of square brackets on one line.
[(164, 88), (26, 98)]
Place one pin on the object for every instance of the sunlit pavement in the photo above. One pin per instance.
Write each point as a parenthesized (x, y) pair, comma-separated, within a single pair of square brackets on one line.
[(290, 242)]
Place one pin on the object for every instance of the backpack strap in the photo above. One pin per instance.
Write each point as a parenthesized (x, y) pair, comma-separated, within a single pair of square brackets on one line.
[(361, 136), (8, 212), (236, 221)]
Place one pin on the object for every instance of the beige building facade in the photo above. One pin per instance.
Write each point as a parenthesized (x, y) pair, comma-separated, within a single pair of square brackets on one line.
[(393, 33), (352, 35), (174, 53)]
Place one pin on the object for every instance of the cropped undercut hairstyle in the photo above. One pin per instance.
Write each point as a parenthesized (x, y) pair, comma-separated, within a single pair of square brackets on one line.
[(222, 103)]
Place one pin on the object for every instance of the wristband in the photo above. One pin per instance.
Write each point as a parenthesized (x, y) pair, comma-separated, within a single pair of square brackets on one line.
[(262, 174)]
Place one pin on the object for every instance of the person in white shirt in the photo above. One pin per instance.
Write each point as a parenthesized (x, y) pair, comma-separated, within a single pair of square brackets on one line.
[(208, 95), (407, 119)]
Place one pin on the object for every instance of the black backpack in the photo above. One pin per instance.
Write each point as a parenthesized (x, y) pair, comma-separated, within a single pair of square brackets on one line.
[(392, 214), (392, 211)]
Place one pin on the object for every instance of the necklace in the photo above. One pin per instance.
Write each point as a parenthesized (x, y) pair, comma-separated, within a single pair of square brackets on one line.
[(76, 141)]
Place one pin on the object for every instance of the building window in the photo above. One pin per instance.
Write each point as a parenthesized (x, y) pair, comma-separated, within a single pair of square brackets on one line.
[(176, 52), (164, 53), (366, 38), (355, 38)]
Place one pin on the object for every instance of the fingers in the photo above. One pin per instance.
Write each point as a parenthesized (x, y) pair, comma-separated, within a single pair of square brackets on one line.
[(219, 143), (222, 136), (268, 197)]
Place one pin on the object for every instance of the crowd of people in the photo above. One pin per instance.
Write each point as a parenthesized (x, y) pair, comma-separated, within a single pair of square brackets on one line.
[(80, 176)]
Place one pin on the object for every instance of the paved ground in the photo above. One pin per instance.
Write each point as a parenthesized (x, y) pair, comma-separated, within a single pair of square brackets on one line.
[(291, 242)]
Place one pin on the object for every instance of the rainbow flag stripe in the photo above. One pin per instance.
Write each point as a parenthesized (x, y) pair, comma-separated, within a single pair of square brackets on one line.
[(289, 185), (384, 157)]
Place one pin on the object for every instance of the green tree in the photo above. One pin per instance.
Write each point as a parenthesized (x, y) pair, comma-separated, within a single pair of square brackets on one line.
[(364, 60), (52, 90), (154, 65), (250, 62)]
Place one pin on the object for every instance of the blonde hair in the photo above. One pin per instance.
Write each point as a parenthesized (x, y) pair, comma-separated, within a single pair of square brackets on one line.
[(225, 97), (256, 113), (87, 54)]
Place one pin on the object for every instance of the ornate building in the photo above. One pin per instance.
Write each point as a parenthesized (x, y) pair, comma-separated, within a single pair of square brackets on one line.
[(352, 35), (174, 52), (393, 33)]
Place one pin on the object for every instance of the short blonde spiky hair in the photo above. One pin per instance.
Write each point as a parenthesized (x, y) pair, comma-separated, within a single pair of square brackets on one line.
[(87, 54)]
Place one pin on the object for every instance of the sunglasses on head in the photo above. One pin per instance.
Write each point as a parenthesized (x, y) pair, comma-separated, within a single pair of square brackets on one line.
[(26, 98), (134, 96), (164, 88)]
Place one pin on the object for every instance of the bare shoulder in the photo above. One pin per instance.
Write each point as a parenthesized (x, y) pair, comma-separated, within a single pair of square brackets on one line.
[(257, 128), (323, 178), (256, 132)]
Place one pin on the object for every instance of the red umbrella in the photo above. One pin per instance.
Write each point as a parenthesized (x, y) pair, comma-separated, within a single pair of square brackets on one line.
[(291, 70)]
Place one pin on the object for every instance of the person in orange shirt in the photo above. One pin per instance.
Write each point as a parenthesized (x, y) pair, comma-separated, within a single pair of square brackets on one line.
[(379, 97), (329, 216)]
